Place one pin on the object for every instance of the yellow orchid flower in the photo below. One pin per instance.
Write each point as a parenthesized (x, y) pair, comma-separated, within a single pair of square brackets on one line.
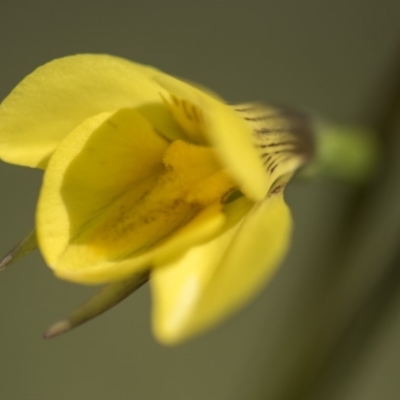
[(148, 176)]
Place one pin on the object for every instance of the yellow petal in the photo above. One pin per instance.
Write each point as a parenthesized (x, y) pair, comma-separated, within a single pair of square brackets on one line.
[(208, 120), (212, 280), (108, 157), (60, 95)]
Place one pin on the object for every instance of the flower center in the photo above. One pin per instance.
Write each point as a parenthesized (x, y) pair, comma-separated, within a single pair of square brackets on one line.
[(189, 181)]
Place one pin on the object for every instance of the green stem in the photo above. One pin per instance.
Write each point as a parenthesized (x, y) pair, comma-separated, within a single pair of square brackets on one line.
[(343, 153)]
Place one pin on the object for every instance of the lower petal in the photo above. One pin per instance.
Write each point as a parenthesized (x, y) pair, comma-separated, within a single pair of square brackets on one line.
[(205, 226), (212, 280)]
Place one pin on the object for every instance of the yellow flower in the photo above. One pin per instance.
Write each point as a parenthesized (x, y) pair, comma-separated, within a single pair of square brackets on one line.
[(146, 174)]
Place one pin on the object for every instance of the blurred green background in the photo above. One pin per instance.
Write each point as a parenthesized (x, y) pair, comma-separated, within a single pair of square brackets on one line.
[(294, 341)]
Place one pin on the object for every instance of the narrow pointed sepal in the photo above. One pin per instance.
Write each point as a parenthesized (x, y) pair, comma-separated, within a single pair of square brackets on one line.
[(25, 246), (109, 296)]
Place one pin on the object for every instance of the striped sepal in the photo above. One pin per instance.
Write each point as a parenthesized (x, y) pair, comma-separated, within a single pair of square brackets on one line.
[(282, 136)]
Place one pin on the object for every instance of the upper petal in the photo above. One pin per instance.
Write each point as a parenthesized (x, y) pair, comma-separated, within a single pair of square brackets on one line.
[(209, 120), (60, 95), (212, 280)]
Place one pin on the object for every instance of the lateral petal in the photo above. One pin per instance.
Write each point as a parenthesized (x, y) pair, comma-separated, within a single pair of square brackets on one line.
[(110, 159)]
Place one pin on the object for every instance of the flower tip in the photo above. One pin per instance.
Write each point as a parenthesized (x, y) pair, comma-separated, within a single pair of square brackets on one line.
[(167, 340), (5, 261), (169, 334), (57, 329), (25, 246)]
